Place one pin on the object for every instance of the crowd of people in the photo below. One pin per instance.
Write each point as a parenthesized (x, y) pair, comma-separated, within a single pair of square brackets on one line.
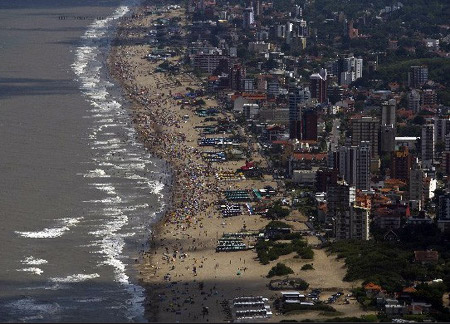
[(160, 125)]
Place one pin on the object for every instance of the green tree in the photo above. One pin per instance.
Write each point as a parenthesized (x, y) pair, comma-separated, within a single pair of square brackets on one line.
[(277, 211), (431, 293), (307, 266), (279, 270)]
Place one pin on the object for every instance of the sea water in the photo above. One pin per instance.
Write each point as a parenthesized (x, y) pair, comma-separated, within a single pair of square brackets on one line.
[(78, 192)]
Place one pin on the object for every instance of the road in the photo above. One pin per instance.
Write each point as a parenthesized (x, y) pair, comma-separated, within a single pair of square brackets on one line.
[(335, 134)]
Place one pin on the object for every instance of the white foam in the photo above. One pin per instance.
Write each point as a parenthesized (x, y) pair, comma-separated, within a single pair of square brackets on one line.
[(141, 206), (32, 270), (105, 121), (100, 143), (97, 173), (90, 300), (109, 114), (107, 147), (54, 232), (75, 278), (33, 261), (156, 186), (136, 177), (106, 164), (108, 188), (106, 201), (134, 159)]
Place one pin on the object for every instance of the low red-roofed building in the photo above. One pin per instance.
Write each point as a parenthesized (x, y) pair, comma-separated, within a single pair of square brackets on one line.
[(409, 290), (372, 289), (380, 199), (363, 200)]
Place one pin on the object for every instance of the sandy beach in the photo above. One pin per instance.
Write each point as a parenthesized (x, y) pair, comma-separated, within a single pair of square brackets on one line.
[(182, 271)]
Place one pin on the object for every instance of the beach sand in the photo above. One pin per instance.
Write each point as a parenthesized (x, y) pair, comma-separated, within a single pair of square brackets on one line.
[(186, 237)]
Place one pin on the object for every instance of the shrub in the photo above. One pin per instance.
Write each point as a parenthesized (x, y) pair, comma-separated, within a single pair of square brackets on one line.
[(302, 285), (277, 211), (431, 293), (278, 224), (279, 270), (306, 252), (307, 266), (269, 251), (316, 307)]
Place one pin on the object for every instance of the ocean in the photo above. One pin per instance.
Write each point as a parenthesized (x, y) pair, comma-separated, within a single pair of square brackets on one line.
[(78, 192)]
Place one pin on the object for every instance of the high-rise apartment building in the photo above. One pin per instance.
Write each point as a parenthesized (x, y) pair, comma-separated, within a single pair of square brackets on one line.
[(427, 144), (249, 85), (349, 221), (339, 198), (366, 129), (257, 8), (388, 110), (209, 62), (354, 165), (413, 99), (388, 126), (401, 163), (295, 97), (363, 166), (360, 223), (326, 177), (441, 128), (348, 69), (417, 76), (298, 11), (309, 125), (347, 163), (281, 31), (416, 185), (387, 138), (318, 86), (428, 97), (443, 212), (248, 18), (237, 76)]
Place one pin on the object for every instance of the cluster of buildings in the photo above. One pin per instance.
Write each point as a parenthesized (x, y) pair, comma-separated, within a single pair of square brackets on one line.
[(357, 160)]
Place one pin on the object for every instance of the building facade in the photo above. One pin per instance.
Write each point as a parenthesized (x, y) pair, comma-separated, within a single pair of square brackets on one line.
[(339, 199), (318, 86), (416, 186), (417, 76), (401, 164), (366, 129), (427, 144), (309, 125)]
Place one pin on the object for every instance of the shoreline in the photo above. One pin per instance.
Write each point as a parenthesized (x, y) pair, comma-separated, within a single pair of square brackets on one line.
[(136, 108)]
